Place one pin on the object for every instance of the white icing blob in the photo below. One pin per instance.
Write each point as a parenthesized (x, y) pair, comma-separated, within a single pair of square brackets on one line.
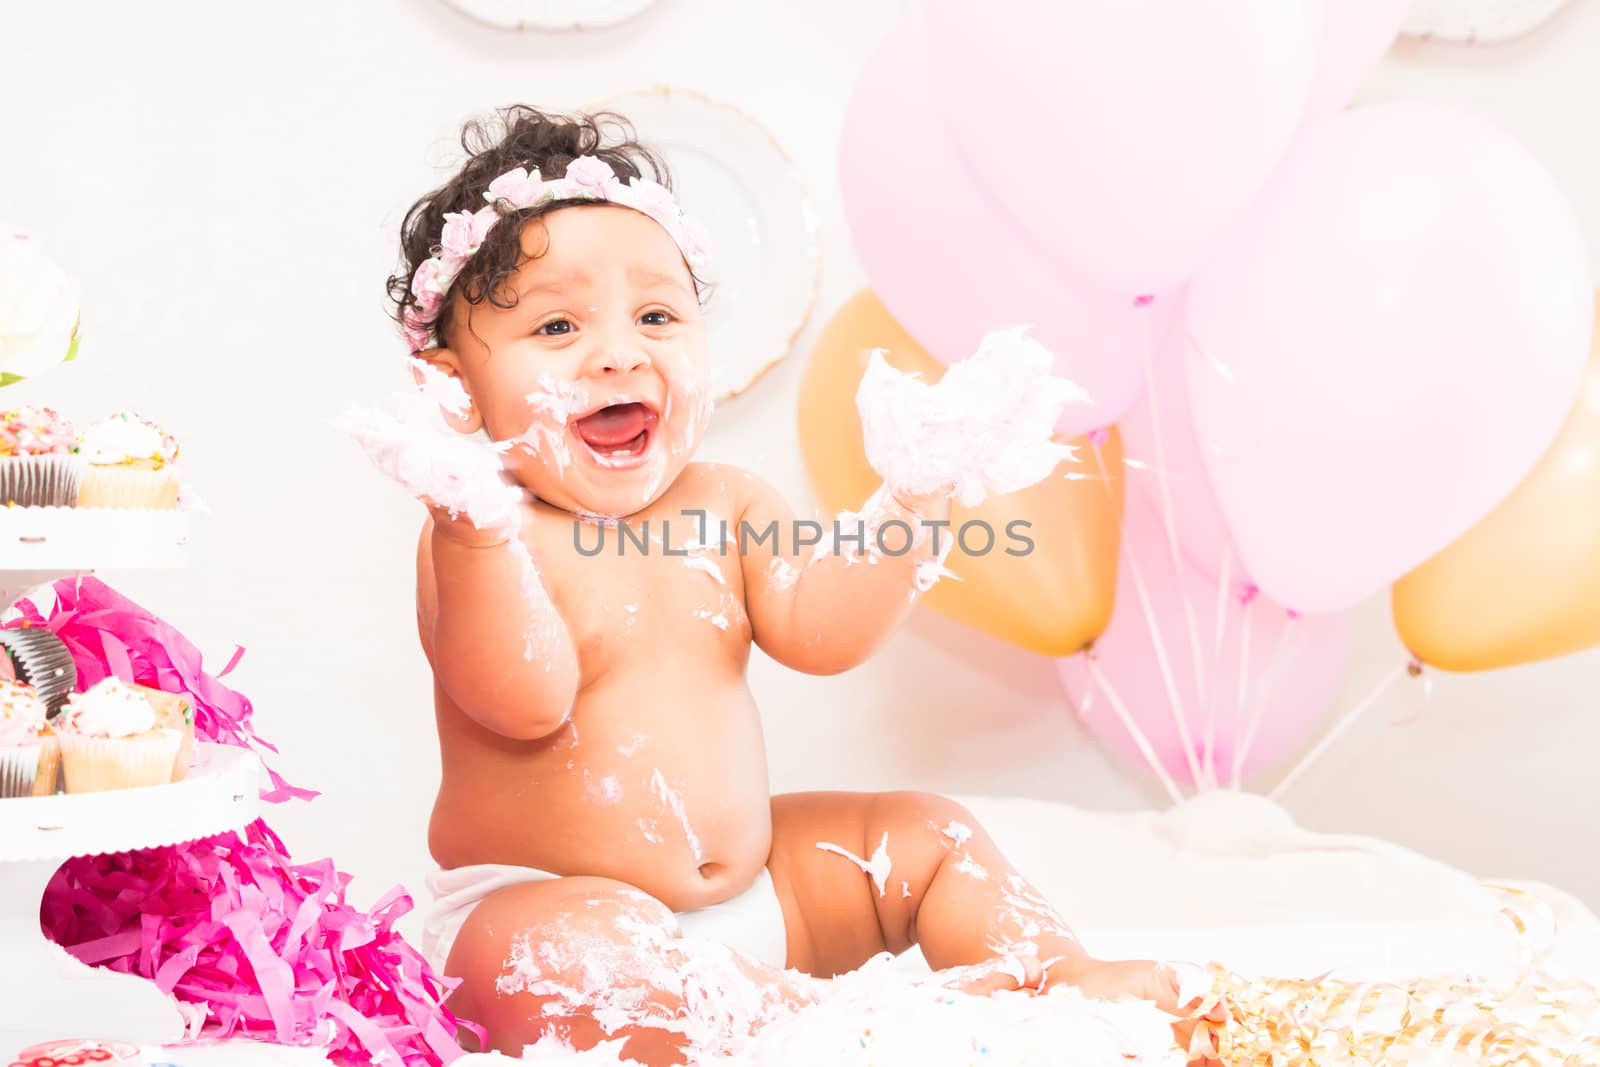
[(412, 444), (873, 1016), (781, 575), (969, 866), (985, 427), (705, 565), (674, 804), (553, 403), (877, 868)]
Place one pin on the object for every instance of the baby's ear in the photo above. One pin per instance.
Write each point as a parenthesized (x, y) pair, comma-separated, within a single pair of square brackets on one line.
[(442, 360)]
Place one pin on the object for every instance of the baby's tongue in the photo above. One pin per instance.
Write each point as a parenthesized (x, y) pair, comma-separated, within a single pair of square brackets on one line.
[(613, 426)]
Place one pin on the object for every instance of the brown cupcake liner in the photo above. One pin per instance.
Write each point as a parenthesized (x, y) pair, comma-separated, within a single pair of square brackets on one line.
[(41, 660), (40, 481)]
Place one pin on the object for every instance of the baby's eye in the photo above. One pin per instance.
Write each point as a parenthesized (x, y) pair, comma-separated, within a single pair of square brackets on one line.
[(555, 328), (656, 318)]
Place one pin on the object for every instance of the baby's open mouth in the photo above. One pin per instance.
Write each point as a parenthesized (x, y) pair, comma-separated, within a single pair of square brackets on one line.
[(617, 433)]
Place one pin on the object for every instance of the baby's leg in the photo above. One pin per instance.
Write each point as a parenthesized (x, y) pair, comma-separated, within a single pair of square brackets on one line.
[(591, 959), (946, 887)]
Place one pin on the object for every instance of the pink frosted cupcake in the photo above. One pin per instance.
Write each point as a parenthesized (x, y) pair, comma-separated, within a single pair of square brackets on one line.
[(112, 738), (39, 461), (129, 464), (23, 733)]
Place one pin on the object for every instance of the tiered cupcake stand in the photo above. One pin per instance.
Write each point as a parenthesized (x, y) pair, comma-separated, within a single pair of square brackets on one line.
[(45, 993)]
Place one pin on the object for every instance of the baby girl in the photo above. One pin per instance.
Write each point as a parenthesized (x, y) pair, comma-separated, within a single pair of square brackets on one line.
[(604, 811)]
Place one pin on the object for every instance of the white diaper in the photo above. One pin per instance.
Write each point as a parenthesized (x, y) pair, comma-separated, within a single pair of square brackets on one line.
[(750, 924)]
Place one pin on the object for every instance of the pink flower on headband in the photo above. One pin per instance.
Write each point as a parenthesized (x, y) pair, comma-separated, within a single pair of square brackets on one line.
[(463, 233), (429, 303), (652, 198), (416, 330), (593, 177), (696, 242), (427, 281), (586, 178), (519, 188)]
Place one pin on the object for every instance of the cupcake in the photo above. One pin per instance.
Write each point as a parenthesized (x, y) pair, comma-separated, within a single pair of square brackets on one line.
[(129, 464), (22, 733), (111, 738), (39, 461), (39, 658), (173, 712)]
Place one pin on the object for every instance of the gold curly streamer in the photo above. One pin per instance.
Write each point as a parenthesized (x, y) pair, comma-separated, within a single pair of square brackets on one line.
[(1536, 1021)]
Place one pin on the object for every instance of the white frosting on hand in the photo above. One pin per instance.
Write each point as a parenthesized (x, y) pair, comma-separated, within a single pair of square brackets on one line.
[(109, 709), (416, 447), (985, 427)]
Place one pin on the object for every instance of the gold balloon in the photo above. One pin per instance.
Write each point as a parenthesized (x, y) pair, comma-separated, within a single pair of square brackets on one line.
[(1523, 584), (1056, 599)]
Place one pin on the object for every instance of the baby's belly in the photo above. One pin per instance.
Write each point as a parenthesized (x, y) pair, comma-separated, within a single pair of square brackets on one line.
[(659, 781)]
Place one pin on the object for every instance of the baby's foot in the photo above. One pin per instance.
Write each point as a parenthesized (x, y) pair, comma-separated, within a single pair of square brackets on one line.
[(1176, 988), (1003, 974)]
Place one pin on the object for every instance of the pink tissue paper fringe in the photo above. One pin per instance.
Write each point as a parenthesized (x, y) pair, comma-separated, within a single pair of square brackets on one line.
[(265, 947)]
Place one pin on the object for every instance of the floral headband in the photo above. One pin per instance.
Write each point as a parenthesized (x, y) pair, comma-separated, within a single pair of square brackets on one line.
[(587, 178)]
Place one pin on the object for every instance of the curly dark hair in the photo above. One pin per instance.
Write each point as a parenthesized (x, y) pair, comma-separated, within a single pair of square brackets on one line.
[(516, 136)]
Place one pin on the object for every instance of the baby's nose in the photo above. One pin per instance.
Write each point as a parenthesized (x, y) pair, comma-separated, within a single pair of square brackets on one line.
[(622, 360)]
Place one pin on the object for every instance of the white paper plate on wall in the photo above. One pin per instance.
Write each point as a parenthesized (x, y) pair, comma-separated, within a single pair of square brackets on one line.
[(1477, 21), (729, 172), (550, 16)]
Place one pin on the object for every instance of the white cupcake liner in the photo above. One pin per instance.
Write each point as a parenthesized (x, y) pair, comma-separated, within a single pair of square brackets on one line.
[(95, 764), (40, 481), (19, 767), (125, 486)]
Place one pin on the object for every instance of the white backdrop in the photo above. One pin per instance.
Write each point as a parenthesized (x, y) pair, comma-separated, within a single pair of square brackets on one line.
[(228, 181)]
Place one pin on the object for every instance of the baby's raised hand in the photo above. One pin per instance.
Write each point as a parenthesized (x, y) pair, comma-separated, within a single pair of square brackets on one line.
[(986, 427), (460, 479)]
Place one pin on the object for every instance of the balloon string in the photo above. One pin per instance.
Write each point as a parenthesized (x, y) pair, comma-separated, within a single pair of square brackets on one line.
[(1160, 647), (1225, 572), (1244, 654), (1287, 638), (1338, 730), (1139, 739), (1167, 518)]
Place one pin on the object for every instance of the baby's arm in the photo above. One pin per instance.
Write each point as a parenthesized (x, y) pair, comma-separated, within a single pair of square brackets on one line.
[(826, 608), (498, 646)]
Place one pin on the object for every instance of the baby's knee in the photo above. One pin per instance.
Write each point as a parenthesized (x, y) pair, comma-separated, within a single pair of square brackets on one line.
[(548, 950), (927, 816)]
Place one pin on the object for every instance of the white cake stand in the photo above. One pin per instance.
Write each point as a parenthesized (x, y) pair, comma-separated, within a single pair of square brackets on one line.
[(45, 993)]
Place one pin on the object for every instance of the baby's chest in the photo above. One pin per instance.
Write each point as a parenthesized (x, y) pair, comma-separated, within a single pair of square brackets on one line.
[(623, 589)]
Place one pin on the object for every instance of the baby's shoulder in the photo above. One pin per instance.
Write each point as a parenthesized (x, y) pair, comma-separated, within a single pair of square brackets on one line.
[(713, 480)]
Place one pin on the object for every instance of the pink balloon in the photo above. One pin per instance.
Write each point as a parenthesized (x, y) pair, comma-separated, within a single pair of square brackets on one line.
[(1123, 136), (948, 262), (1293, 668), (1175, 452), (1384, 348), (1355, 33)]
